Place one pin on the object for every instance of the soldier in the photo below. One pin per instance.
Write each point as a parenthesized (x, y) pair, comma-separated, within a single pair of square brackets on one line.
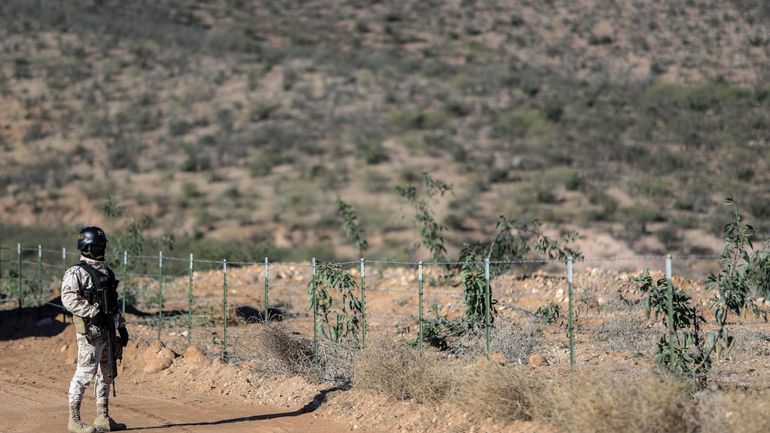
[(78, 296)]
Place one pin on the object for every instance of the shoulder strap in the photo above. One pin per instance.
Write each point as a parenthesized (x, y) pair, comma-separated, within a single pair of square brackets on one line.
[(93, 273)]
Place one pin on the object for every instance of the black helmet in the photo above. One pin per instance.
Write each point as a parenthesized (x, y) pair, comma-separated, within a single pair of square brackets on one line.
[(91, 236)]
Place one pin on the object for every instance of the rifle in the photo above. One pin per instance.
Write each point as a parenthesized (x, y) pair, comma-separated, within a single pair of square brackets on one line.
[(106, 298), (107, 306)]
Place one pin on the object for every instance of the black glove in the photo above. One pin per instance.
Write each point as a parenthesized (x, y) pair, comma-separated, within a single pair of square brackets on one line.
[(101, 319), (123, 336)]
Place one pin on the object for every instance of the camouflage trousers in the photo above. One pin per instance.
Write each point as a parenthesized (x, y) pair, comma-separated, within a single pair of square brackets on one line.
[(92, 362)]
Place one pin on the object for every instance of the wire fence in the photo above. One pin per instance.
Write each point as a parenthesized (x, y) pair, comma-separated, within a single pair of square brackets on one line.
[(216, 305)]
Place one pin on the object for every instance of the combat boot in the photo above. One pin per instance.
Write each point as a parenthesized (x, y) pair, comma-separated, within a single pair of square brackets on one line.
[(75, 425), (103, 422)]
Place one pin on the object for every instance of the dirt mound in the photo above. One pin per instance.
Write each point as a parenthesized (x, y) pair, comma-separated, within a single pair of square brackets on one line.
[(157, 357), (194, 357), (537, 360)]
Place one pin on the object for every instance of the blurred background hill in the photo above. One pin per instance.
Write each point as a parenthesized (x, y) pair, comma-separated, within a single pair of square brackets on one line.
[(242, 122)]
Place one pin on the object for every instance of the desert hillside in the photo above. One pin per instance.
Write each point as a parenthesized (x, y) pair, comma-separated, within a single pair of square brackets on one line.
[(629, 121)]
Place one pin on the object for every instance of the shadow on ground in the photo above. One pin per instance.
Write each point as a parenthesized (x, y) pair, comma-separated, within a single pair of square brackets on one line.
[(38, 321), (317, 401), (253, 315)]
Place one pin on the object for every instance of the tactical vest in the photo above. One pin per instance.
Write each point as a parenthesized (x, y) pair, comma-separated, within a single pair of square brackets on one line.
[(100, 281)]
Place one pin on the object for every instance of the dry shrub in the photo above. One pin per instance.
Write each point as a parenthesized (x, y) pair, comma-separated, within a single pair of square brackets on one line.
[(734, 411), (401, 372), (276, 350), (504, 393), (599, 403), (580, 403), (518, 342), (626, 332)]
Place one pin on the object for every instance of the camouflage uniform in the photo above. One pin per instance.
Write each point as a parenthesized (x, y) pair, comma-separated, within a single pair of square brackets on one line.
[(92, 353)]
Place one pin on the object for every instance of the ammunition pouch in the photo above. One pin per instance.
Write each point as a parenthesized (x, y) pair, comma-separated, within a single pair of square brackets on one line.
[(80, 324), (90, 295)]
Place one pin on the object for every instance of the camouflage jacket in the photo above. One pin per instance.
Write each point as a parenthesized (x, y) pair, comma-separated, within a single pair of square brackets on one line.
[(75, 281)]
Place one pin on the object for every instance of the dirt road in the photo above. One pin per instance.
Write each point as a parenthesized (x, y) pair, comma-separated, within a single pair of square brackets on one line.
[(34, 380)]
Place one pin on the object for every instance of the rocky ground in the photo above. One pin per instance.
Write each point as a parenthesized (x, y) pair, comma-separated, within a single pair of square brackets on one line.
[(172, 387)]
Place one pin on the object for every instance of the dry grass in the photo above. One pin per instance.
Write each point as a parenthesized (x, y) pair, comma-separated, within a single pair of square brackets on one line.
[(599, 403), (515, 342), (276, 350), (626, 332), (401, 372), (734, 411), (583, 403), (518, 342), (504, 393)]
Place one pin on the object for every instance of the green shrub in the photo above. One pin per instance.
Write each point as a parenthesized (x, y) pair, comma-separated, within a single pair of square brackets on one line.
[(262, 109), (177, 126), (521, 123), (376, 182), (550, 312), (124, 152), (34, 132), (371, 150), (406, 120), (670, 237), (263, 161), (636, 219)]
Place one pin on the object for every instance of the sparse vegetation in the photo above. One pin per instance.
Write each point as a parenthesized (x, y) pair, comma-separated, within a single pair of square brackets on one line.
[(227, 129), (401, 372), (584, 402), (220, 103), (352, 225), (341, 323), (689, 350), (431, 231)]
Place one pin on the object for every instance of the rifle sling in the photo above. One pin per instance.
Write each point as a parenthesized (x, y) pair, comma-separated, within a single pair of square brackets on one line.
[(96, 280)]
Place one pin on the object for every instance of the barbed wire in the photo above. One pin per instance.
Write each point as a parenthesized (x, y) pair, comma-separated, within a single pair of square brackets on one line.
[(46, 250), (387, 262)]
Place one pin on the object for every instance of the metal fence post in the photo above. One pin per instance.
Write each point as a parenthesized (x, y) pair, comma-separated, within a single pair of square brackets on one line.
[(571, 319), (160, 292), (21, 296), (419, 305), (224, 309), (363, 303), (267, 289), (64, 258), (313, 300), (670, 310), (125, 282), (488, 305), (40, 270), (190, 303)]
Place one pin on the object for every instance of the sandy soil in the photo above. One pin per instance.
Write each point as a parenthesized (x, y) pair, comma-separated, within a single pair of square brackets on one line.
[(193, 391), (35, 373)]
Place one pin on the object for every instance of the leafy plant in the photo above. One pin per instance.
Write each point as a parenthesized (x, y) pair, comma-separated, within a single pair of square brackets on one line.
[(337, 323), (437, 332), (512, 241), (353, 229), (431, 231), (550, 312), (111, 208), (743, 275), (744, 271), (687, 355)]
